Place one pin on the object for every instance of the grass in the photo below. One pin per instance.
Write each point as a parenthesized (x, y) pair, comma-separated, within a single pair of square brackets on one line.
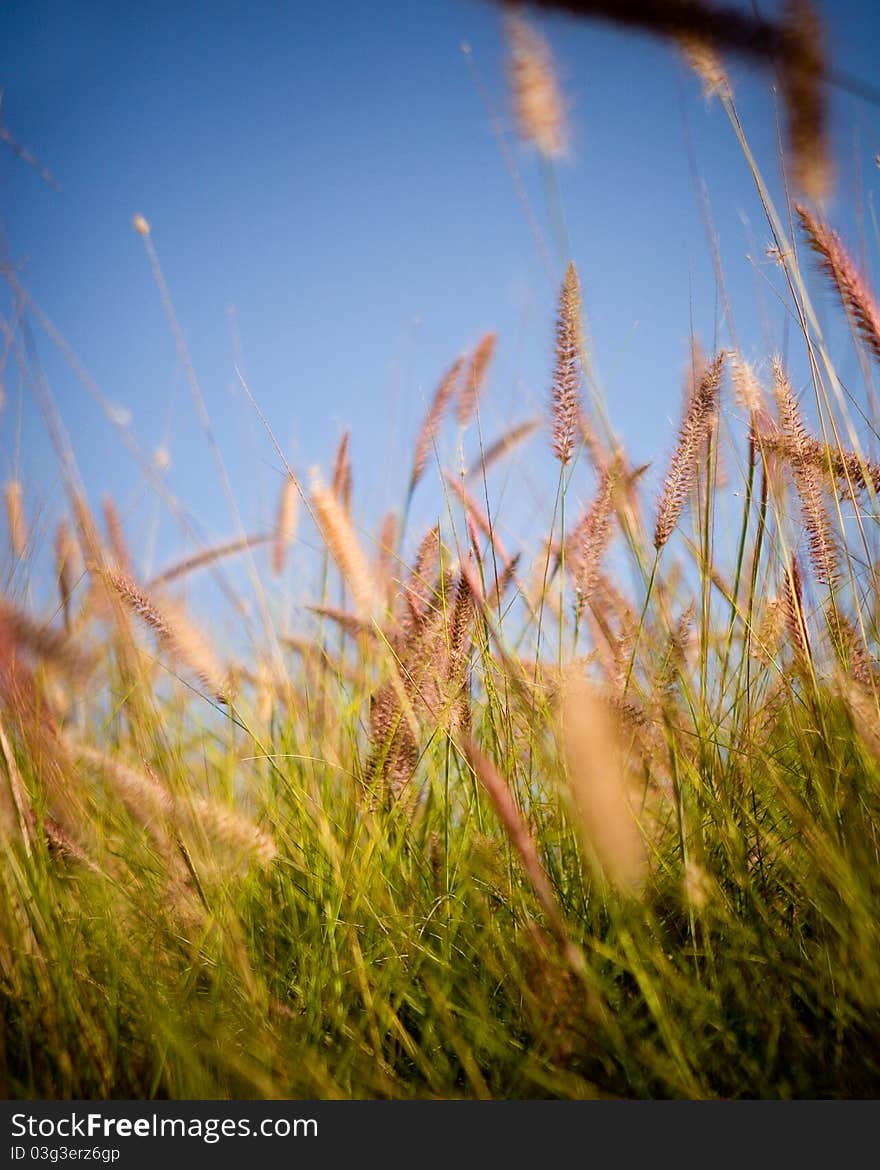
[(597, 821)]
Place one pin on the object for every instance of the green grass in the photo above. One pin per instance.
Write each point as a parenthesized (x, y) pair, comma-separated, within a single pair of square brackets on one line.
[(384, 957)]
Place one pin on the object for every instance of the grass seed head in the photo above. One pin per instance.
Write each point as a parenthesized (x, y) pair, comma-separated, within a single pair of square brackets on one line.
[(852, 287), (700, 412), (566, 389), (339, 536), (15, 518), (174, 632), (285, 523), (474, 377), (537, 100), (601, 790), (427, 435)]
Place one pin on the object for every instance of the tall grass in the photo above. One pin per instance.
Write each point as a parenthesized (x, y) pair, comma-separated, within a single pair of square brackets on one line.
[(505, 824)]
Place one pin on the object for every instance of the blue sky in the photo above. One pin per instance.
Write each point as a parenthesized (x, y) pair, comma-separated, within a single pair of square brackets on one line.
[(329, 200)]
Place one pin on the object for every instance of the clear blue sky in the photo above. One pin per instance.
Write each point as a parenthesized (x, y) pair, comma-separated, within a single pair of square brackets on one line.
[(331, 172)]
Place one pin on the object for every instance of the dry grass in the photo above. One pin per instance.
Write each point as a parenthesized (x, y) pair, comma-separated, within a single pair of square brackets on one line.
[(795, 46), (799, 447)]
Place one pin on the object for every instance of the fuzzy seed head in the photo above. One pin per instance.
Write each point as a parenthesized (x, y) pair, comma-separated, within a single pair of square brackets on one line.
[(700, 413), (565, 392), (589, 540), (746, 387), (285, 524), (795, 616), (537, 101), (18, 536), (174, 632), (339, 536), (426, 438), (116, 537), (824, 555), (852, 287), (474, 377), (602, 792), (342, 473)]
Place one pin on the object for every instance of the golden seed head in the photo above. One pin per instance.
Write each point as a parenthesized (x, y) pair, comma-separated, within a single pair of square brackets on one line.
[(603, 796), (703, 59), (18, 536), (540, 111)]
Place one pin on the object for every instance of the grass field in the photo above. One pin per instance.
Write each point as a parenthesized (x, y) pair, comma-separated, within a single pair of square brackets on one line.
[(597, 819)]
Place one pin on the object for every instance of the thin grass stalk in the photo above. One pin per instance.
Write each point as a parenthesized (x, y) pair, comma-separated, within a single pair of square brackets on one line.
[(205, 558), (502, 446), (706, 565), (479, 517), (523, 843), (142, 227), (740, 562)]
